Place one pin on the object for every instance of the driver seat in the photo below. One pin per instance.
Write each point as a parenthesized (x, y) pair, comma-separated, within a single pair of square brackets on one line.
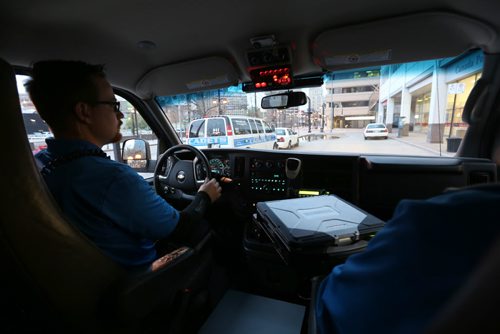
[(53, 276)]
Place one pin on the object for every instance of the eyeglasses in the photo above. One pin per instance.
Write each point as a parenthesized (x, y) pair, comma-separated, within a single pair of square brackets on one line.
[(114, 104)]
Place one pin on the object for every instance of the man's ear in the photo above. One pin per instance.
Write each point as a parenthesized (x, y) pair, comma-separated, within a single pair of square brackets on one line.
[(83, 112)]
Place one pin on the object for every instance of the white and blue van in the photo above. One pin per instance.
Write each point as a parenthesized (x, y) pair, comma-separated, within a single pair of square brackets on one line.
[(231, 131)]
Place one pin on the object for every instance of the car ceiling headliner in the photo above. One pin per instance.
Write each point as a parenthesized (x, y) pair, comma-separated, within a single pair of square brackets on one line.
[(108, 31)]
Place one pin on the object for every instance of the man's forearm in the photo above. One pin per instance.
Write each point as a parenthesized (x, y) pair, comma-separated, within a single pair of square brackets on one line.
[(192, 214)]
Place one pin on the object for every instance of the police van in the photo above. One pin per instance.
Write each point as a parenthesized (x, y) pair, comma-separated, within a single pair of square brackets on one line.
[(231, 131)]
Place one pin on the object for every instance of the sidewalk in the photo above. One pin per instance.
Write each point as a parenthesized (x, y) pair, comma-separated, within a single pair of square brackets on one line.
[(420, 140), (415, 139)]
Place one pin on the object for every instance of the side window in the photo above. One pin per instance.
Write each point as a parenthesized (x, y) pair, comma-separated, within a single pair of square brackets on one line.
[(133, 126), (197, 129), (36, 128), (241, 126), (259, 126), (216, 127), (253, 126)]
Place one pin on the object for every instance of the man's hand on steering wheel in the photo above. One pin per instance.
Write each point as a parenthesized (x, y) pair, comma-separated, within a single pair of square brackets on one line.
[(181, 178), (211, 188)]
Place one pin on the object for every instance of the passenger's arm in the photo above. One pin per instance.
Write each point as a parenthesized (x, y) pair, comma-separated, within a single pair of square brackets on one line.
[(410, 269)]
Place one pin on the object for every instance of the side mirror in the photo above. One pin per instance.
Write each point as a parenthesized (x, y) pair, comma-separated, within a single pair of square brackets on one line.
[(136, 153), (283, 100)]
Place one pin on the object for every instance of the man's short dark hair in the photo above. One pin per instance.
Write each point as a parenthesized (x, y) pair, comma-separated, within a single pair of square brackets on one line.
[(58, 85)]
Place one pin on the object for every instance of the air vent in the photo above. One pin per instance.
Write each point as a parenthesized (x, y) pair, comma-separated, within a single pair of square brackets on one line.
[(239, 167)]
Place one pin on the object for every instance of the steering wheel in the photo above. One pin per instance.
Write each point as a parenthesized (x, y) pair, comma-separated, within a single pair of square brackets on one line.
[(180, 179)]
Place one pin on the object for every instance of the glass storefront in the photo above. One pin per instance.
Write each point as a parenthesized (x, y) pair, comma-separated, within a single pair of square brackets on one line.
[(421, 113), (458, 92)]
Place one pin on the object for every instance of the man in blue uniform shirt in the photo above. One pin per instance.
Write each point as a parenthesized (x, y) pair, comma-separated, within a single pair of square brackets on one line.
[(413, 266), (107, 200)]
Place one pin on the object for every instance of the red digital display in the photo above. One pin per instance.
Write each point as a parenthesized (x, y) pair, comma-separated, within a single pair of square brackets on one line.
[(272, 77)]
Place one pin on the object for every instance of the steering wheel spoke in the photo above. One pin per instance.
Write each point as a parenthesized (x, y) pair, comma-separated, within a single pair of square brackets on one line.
[(161, 179), (171, 161), (200, 172)]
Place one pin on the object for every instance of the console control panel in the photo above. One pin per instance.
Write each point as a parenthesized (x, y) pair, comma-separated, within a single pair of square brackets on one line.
[(268, 176)]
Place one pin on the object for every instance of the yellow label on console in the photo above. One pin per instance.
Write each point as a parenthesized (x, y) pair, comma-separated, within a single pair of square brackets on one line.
[(309, 192)]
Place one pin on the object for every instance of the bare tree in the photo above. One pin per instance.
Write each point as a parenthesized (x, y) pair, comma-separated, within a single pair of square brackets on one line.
[(202, 104)]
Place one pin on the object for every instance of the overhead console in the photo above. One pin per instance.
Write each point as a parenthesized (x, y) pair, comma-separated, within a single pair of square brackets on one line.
[(270, 67)]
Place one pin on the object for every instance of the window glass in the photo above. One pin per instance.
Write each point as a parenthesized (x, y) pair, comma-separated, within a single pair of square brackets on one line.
[(197, 129), (280, 132), (241, 126), (356, 74), (36, 128), (375, 126), (458, 92), (421, 116), (407, 98), (216, 127), (348, 104), (259, 126), (253, 126), (348, 90), (133, 125)]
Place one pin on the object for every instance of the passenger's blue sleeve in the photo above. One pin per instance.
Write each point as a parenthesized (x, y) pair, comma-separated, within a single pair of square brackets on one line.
[(366, 279), (411, 268), (136, 207)]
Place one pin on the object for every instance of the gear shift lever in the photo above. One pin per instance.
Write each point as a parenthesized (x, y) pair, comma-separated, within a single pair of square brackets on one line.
[(292, 167)]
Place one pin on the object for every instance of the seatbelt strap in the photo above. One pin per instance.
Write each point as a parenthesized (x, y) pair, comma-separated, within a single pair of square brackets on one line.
[(64, 159)]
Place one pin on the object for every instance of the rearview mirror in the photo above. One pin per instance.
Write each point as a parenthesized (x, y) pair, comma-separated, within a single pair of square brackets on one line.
[(283, 100)]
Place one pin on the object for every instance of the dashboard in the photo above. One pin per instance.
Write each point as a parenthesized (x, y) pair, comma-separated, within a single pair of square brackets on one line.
[(373, 183)]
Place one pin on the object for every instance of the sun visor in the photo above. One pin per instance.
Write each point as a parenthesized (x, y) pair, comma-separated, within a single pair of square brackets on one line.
[(404, 39), (191, 76)]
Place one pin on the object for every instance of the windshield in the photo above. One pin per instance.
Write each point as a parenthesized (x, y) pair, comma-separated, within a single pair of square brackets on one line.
[(420, 104)]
